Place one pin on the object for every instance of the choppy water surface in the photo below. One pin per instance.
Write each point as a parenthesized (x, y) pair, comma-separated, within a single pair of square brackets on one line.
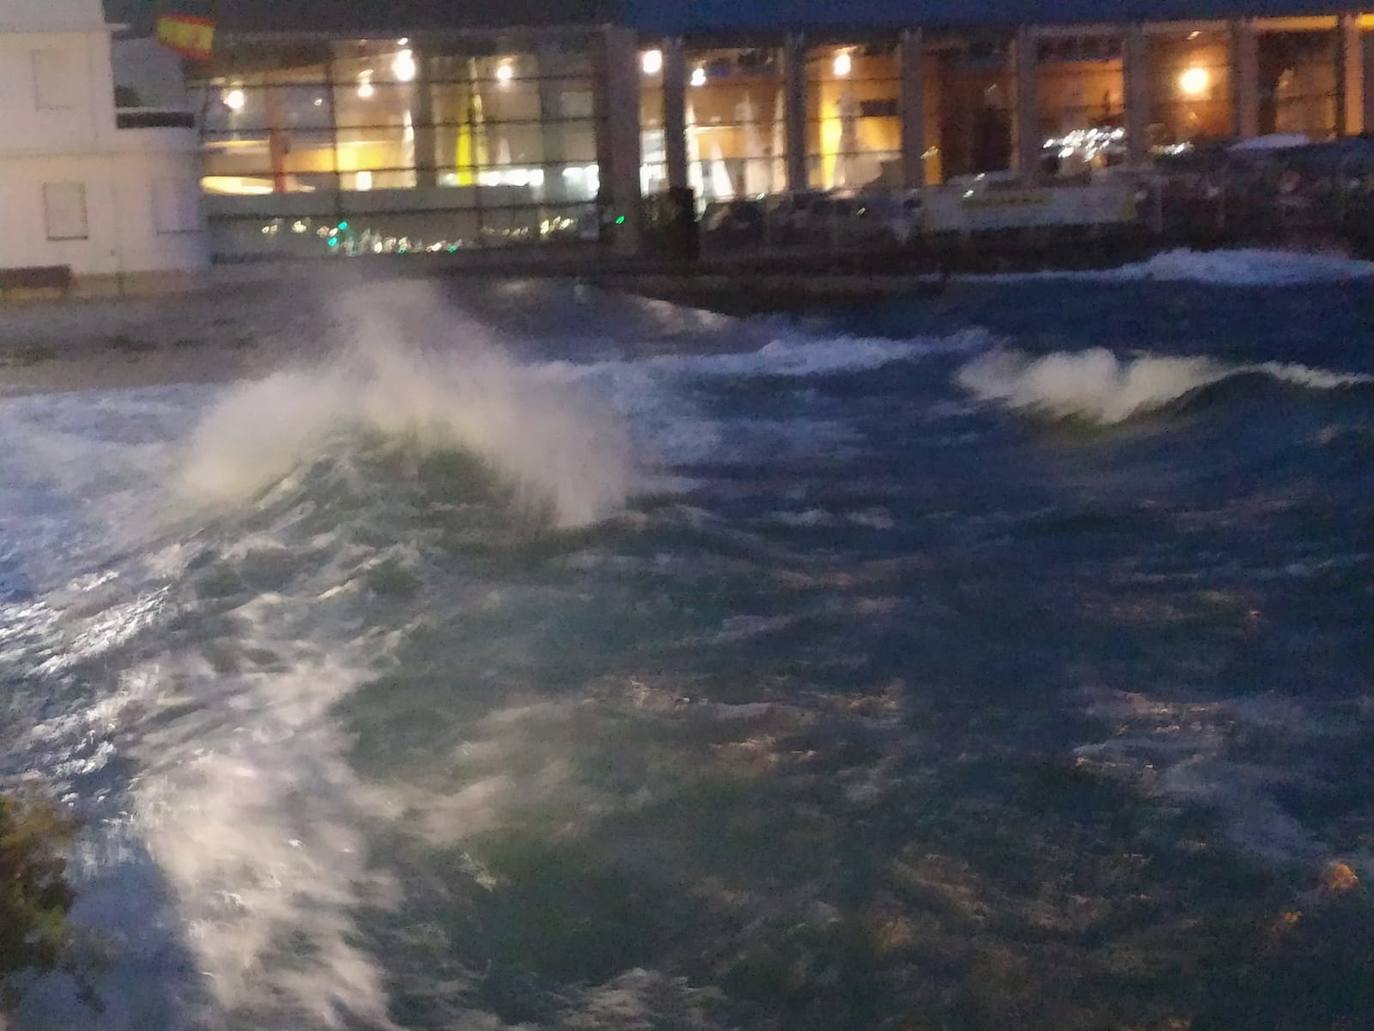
[(558, 660)]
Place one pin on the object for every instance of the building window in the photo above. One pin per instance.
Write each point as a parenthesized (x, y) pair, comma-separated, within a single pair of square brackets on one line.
[(969, 88), (1298, 89), (176, 206), (653, 149), (1080, 101), (736, 123), (853, 125), (64, 211), (53, 80), (442, 146), (1190, 88)]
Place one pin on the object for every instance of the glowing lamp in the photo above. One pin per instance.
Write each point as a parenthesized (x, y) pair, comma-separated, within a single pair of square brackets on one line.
[(235, 99), (403, 67), (505, 71), (844, 64), (698, 76), (1194, 82), (652, 62)]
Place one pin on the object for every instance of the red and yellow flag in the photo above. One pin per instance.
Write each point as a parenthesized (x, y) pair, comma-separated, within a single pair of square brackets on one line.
[(188, 35)]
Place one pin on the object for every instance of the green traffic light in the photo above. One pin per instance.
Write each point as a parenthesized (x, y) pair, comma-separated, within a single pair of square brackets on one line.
[(343, 227), (620, 220)]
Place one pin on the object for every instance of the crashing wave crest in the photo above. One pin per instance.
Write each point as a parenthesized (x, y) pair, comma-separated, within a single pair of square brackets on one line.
[(1097, 386), (543, 438)]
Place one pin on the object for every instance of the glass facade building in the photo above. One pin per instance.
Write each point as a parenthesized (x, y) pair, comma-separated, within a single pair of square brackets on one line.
[(445, 142), (408, 146)]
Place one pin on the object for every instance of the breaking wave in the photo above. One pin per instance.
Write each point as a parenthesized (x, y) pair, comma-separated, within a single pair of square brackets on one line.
[(545, 440), (1097, 386)]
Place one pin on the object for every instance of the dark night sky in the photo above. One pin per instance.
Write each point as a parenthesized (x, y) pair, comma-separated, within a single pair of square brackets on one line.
[(677, 15)]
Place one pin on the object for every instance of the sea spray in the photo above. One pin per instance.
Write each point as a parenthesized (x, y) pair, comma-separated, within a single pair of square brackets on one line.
[(545, 439)]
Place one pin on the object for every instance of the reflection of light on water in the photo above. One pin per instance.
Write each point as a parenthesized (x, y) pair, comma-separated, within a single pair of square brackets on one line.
[(111, 628)]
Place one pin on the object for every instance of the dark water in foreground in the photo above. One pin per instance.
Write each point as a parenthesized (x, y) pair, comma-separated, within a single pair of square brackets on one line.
[(940, 671)]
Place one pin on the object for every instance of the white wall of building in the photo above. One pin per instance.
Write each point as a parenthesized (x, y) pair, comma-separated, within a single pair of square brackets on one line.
[(74, 188), (141, 212), (50, 15)]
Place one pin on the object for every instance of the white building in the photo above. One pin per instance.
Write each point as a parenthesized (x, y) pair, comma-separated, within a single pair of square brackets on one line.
[(109, 192)]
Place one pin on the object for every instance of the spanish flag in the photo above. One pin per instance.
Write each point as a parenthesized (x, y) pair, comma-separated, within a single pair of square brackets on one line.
[(188, 35)]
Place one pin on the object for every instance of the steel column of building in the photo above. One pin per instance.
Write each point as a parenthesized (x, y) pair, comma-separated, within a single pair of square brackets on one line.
[(1367, 90), (426, 153), (1138, 98), (617, 90), (1027, 122), (552, 64), (1351, 120), (913, 109), (675, 111), (1246, 75), (794, 93), (278, 144)]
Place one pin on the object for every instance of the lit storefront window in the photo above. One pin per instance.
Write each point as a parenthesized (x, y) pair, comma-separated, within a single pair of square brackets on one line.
[(969, 91), (736, 125), (1190, 88), (653, 152), (268, 130), (854, 124), (1080, 103), (422, 145), (1298, 83)]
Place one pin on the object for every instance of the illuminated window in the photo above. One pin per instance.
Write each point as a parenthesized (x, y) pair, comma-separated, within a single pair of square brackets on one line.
[(1190, 87), (1080, 103), (853, 117), (1298, 90), (736, 125), (494, 145)]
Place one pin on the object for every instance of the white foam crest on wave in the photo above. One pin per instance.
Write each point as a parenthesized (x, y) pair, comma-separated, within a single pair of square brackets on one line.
[(797, 355), (1097, 385), (1238, 267), (548, 440)]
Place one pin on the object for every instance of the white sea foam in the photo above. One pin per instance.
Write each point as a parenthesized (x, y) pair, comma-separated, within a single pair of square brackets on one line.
[(549, 442), (1239, 267), (796, 355), (1097, 386), (248, 810)]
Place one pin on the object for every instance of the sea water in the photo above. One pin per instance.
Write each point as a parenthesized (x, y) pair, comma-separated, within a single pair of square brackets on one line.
[(547, 658)]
